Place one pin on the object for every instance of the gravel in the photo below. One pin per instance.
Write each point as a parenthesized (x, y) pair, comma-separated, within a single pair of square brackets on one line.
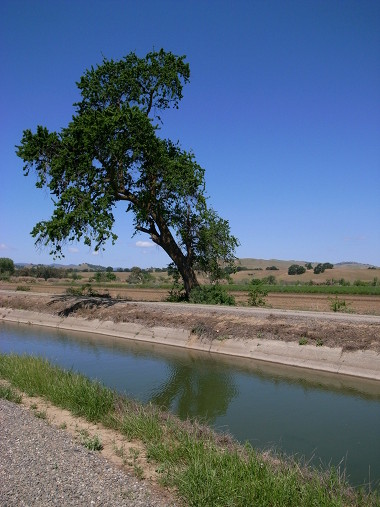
[(43, 466)]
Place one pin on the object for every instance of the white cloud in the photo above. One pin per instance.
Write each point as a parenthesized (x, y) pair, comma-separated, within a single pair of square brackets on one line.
[(73, 249), (3, 246), (95, 252), (144, 244)]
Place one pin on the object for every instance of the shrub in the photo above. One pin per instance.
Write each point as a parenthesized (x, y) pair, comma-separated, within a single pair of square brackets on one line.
[(211, 295), (308, 265), (270, 280), (338, 305), (296, 269), (272, 268), (257, 293), (24, 288), (104, 276)]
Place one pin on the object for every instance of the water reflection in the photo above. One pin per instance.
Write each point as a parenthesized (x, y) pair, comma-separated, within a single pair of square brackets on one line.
[(195, 390)]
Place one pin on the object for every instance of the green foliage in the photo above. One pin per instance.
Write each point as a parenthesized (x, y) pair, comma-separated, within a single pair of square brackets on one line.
[(93, 443), (104, 276), (139, 276), (320, 268), (257, 293), (308, 265), (6, 266), (111, 152), (42, 271), (271, 268), (307, 288), (211, 295), (339, 305), (296, 269), (9, 393), (23, 288)]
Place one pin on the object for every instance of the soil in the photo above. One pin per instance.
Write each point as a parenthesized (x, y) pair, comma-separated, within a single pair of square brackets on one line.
[(348, 331)]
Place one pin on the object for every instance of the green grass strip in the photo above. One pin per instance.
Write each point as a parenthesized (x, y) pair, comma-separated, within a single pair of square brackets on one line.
[(207, 469), (313, 289)]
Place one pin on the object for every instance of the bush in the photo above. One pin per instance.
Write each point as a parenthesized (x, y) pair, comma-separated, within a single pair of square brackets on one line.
[(296, 269), (105, 276), (271, 268), (257, 293), (139, 276), (211, 295), (270, 280), (24, 288), (6, 266), (339, 305)]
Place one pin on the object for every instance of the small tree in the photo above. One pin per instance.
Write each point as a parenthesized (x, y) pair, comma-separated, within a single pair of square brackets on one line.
[(257, 293)]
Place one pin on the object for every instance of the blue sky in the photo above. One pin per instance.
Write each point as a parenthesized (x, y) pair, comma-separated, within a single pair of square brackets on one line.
[(282, 110)]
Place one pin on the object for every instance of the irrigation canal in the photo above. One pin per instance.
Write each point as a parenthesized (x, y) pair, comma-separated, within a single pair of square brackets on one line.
[(328, 419)]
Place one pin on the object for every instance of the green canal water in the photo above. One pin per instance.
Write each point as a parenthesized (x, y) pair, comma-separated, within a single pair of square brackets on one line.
[(325, 418)]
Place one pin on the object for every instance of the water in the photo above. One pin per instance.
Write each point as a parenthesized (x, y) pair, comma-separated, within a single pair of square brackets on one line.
[(331, 419)]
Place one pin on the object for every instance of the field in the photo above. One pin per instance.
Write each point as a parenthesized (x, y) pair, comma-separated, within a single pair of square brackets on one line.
[(356, 284)]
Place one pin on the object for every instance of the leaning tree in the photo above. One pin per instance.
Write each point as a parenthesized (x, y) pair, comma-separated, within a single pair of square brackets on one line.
[(111, 151)]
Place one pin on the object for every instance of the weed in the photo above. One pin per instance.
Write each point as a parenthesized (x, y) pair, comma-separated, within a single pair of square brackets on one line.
[(40, 414), (7, 393), (339, 305), (34, 406), (303, 341), (92, 443), (63, 426), (319, 343)]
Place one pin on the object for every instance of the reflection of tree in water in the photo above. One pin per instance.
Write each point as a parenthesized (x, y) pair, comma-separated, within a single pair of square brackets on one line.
[(196, 390)]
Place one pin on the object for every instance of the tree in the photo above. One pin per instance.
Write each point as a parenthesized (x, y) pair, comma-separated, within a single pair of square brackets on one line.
[(7, 265), (111, 152), (296, 269)]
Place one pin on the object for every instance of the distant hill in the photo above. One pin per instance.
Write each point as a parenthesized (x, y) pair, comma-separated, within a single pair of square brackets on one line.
[(251, 263), (248, 263)]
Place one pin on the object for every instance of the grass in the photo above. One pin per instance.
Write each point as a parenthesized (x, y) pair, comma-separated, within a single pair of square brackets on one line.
[(8, 393), (205, 468)]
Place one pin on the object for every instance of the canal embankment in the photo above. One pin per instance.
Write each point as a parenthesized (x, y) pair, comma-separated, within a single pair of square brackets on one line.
[(336, 343), (200, 467)]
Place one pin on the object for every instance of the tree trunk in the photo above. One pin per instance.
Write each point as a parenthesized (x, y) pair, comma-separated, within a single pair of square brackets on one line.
[(166, 241)]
